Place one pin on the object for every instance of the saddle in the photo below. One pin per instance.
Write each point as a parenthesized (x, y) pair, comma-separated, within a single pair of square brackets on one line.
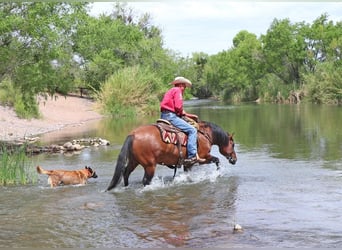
[(171, 134)]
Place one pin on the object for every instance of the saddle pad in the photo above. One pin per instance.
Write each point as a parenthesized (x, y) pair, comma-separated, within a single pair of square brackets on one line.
[(171, 134)]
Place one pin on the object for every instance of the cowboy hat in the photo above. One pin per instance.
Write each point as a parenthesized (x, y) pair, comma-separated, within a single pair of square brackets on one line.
[(181, 79)]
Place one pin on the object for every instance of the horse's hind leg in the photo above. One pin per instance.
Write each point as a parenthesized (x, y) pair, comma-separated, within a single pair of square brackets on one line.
[(128, 170), (149, 173)]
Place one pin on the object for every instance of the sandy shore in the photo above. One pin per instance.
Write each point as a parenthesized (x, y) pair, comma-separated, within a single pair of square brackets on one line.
[(57, 113)]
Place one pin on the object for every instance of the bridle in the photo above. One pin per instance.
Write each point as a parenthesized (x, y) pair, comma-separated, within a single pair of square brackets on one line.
[(208, 137)]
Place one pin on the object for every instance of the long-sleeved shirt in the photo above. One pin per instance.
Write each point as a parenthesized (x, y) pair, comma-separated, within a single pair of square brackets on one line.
[(173, 101)]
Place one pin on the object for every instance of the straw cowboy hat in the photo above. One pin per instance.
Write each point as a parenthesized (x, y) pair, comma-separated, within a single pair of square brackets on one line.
[(181, 79)]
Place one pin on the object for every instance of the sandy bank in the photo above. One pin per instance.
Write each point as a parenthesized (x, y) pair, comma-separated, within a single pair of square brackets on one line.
[(57, 113)]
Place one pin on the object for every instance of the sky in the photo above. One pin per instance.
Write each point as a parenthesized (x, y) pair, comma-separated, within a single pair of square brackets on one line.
[(209, 26)]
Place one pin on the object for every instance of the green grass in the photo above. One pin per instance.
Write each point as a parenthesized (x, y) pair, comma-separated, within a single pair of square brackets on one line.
[(15, 166)]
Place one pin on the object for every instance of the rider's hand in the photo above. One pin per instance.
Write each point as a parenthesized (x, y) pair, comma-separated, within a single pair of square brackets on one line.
[(192, 116)]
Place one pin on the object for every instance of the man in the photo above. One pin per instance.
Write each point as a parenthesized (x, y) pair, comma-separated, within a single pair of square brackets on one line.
[(171, 108)]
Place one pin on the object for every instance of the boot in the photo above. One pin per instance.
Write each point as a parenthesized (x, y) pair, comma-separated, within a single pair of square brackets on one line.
[(193, 160), (199, 159)]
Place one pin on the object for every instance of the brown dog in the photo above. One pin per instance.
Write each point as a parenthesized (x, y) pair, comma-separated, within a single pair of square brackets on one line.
[(68, 177)]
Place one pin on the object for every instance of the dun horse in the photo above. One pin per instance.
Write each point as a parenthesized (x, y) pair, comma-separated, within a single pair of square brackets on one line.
[(159, 143)]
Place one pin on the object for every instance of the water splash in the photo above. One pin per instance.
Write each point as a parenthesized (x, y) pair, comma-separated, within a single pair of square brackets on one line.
[(197, 175)]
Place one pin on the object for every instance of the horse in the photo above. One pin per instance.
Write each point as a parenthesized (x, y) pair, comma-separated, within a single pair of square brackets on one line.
[(144, 146)]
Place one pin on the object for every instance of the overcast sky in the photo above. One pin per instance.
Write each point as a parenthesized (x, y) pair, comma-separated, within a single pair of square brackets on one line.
[(210, 26)]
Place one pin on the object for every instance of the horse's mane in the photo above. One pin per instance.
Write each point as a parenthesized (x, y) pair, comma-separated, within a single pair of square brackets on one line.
[(219, 135)]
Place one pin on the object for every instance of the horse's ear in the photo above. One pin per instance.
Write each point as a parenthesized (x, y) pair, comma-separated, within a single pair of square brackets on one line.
[(230, 135)]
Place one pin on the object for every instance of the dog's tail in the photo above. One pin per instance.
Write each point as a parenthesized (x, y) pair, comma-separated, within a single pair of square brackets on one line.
[(124, 156), (40, 170)]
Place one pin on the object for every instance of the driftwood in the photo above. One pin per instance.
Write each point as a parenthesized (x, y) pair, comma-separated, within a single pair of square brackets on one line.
[(294, 97)]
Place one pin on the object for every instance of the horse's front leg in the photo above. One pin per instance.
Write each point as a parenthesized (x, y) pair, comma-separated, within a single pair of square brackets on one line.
[(216, 160), (213, 159)]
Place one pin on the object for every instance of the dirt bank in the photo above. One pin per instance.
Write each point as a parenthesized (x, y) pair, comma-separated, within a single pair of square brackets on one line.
[(57, 113)]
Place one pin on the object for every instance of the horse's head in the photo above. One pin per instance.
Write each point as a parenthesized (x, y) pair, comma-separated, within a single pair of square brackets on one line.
[(228, 150)]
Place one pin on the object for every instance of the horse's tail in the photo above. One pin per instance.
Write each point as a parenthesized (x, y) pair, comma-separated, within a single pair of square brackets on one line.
[(121, 163)]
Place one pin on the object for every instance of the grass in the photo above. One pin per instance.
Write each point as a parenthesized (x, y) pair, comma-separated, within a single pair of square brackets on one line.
[(15, 166)]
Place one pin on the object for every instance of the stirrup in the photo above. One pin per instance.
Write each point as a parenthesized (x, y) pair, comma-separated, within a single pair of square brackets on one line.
[(193, 160), (190, 161)]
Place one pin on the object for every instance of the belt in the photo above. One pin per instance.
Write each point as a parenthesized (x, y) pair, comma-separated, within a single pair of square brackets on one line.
[(167, 111)]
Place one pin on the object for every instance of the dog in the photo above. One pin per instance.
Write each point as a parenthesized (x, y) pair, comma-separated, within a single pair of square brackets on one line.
[(68, 177)]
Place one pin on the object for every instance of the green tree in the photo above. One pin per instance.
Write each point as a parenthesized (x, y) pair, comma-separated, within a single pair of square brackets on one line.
[(36, 50), (234, 74), (284, 50), (114, 41), (245, 65), (323, 42)]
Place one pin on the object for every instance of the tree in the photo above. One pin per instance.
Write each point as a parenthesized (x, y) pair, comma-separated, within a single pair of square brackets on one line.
[(323, 42), (36, 50), (115, 41), (246, 64), (284, 50), (234, 74)]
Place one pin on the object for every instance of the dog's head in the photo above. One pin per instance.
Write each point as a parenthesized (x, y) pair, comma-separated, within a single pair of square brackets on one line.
[(91, 173)]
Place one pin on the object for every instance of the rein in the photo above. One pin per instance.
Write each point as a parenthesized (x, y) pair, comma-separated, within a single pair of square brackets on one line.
[(206, 135)]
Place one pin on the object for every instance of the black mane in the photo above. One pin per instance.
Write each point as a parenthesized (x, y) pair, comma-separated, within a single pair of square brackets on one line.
[(220, 137)]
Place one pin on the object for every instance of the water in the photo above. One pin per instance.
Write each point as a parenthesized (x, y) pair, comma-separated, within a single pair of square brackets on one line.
[(285, 190)]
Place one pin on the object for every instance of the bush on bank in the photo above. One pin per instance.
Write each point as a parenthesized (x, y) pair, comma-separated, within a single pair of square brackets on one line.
[(130, 92)]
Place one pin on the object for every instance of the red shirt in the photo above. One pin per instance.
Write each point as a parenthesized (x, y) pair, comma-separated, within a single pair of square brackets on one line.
[(173, 101)]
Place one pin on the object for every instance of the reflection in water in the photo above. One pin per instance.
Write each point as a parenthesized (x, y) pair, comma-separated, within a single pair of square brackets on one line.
[(288, 131), (174, 215)]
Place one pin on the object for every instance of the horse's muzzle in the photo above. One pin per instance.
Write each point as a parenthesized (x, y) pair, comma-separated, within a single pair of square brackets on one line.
[(232, 160)]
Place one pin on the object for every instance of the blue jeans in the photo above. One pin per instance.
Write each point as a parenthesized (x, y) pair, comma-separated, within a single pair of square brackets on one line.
[(186, 128)]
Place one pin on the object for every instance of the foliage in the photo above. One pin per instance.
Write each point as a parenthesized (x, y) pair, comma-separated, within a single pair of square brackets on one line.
[(112, 42), (130, 91), (8, 94), (53, 46), (237, 70), (325, 85), (21, 102), (36, 52), (283, 49), (274, 66), (15, 167)]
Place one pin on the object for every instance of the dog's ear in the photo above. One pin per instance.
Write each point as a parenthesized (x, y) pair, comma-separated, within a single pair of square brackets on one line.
[(89, 169)]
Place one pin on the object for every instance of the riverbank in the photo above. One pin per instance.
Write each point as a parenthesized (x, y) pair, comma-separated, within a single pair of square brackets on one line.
[(57, 113)]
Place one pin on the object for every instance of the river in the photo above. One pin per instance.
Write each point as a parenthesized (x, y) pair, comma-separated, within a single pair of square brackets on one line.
[(284, 191)]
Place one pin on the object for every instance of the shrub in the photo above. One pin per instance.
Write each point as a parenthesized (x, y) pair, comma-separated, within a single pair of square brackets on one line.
[(130, 91), (24, 105), (325, 85), (7, 92)]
